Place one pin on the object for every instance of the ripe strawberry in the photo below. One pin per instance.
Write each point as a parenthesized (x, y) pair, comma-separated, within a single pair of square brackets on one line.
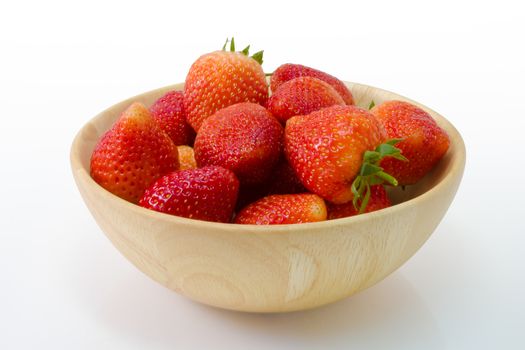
[(186, 158), (302, 95), (168, 112), (283, 209), (332, 152), (220, 79), (244, 138), (284, 181), (424, 142), (378, 200), (207, 193), (290, 71), (132, 154)]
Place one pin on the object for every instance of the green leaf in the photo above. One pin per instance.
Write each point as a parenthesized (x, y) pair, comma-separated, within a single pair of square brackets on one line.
[(399, 156), (225, 43), (368, 169), (375, 180), (354, 202), (371, 105), (371, 173), (232, 45), (355, 185), (365, 200), (393, 142), (246, 50), (371, 156), (258, 56), (355, 190), (387, 177), (386, 149)]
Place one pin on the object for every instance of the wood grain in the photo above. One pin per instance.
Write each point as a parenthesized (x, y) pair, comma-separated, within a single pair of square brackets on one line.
[(270, 268)]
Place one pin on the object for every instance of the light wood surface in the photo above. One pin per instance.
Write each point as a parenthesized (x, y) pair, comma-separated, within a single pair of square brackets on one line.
[(270, 268)]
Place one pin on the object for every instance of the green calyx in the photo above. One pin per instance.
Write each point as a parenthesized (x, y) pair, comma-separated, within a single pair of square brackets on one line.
[(258, 56), (372, 174), (371, 105)]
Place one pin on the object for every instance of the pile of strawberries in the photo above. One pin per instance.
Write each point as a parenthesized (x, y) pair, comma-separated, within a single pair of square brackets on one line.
[(224, 150)]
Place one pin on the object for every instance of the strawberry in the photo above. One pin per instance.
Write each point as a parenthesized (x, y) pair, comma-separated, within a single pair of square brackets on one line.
[(283, 209), (244, 138), (378, 200), (424, 142), (132, 154), (335, 153), (302, 95), (290, 71), (186, 157), (223, 78), (207, 193), (284, 180), (168, 112)]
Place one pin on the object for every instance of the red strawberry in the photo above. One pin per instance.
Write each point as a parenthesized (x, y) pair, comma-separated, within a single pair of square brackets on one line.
[(132, 154), (244, 138), (220, 79), (283, 209), (186, 158), (168, 112), (302, 95), (284, 181), (424, 142), (207, 193), (290, 71), (328, 151), (378, 200)]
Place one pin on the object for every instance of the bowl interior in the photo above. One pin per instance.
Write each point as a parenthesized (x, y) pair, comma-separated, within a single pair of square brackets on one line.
[(363, 95)]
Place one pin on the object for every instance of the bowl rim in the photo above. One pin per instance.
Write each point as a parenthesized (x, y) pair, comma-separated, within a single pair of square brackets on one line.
[(458, 162)]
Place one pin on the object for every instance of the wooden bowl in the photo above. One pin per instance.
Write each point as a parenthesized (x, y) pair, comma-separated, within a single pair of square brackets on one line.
[(270, 268)]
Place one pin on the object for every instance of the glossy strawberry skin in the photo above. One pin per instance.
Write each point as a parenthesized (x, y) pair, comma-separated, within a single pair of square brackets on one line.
[(283, 209), (244, 138), (300, 96), (186, 157), (220, 79), (326, 148), (378, 200), (207, 193), (424, 142), (132, 154), (168, 112), (290, 71)]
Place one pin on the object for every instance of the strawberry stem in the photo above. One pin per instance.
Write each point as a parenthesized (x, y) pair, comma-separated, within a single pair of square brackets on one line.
[(258, 56), (371, 173), (388, 178)]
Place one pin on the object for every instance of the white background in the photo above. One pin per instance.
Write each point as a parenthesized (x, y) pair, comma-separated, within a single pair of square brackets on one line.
[(62, 284)]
